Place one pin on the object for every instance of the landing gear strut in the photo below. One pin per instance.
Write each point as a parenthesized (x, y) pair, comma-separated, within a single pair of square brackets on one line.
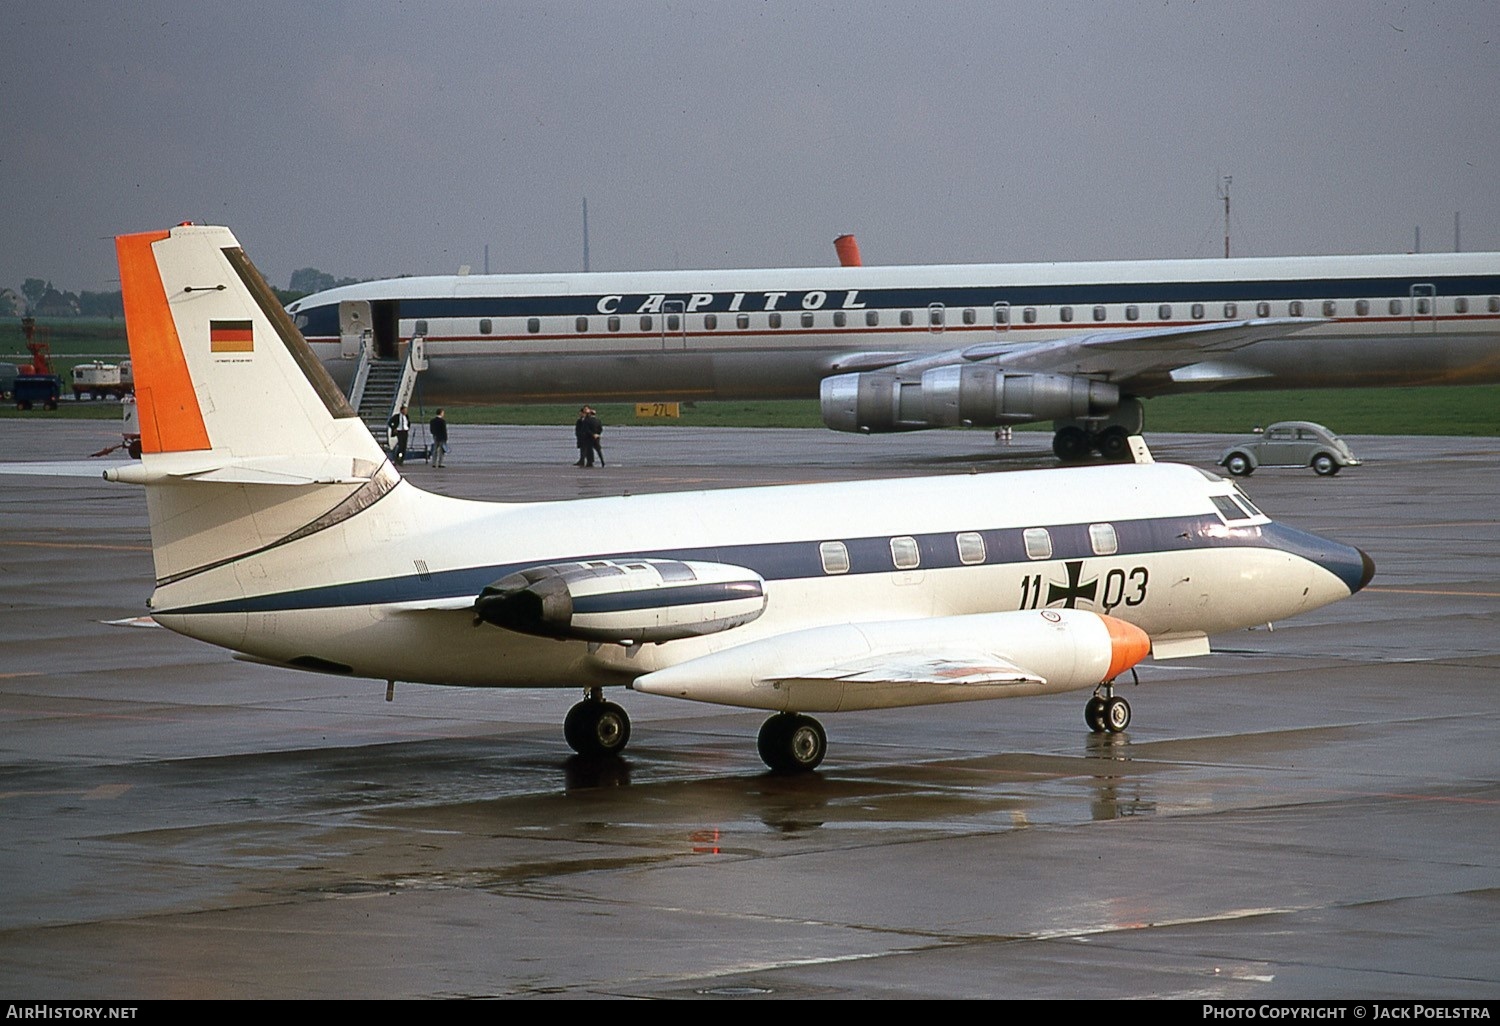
[(1106, 711), (792, 743), (595, 727)]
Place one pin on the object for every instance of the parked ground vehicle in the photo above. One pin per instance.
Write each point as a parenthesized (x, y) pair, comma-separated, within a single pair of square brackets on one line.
[(1290, 443), (36, 383), (98, 381)]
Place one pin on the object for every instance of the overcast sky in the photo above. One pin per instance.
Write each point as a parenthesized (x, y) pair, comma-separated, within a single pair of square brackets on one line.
[(382, 138)]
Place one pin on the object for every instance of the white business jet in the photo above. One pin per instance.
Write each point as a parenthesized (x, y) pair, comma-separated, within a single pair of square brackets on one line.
[(281, 531)]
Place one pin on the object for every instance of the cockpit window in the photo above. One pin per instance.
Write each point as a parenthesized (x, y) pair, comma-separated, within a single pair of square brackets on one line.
[(1231, 510)]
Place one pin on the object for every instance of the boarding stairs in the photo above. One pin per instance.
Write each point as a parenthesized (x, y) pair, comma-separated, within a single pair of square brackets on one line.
[(381, 387)]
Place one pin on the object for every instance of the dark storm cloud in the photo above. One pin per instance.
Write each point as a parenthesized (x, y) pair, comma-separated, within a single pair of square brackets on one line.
[(370, 139)]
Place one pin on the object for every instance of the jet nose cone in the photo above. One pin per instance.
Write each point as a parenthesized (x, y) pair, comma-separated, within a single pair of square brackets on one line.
[(1368, 571)]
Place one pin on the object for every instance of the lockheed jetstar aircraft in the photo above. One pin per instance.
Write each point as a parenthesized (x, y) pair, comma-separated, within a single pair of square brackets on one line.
[(906, 348), (281, 531)]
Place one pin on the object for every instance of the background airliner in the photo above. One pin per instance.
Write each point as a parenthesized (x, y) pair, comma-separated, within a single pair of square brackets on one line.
[(906, 348), (280, 530)]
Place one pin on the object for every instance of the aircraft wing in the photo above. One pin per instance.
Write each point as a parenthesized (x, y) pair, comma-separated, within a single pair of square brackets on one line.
[(1121, 355)]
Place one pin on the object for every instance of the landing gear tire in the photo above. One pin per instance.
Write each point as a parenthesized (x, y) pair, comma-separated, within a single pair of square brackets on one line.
[(1324, 466), (792, 743), (1093, 714), (1238, 464), (1116, 714), (1114, 444), (1071, 444), (595, 728)]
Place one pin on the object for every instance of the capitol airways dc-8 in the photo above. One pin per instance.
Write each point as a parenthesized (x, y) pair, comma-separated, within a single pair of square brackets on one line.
[(280, 530), (907, 348)]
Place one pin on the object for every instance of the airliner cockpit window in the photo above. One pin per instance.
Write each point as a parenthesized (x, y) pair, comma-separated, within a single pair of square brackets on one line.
[(1229, 509)]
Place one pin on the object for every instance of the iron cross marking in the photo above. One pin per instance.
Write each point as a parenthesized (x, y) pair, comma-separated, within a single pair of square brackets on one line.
[(1074, 591)]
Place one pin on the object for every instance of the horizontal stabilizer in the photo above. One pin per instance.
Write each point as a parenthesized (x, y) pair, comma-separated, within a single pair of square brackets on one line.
[(314, 469)]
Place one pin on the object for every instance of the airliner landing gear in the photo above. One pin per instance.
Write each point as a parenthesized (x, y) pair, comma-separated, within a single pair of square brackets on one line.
[(1074, 444), (595, 727), (792, 743), (1107, 711)]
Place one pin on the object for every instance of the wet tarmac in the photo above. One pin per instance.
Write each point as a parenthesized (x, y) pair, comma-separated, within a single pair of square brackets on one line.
[(1311, 812)]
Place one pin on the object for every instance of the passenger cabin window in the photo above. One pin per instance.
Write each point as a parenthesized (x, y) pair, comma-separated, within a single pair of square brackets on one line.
[(1294, 308), (582, 324), (1330, 308), (742, 321), (1362, 307), (710, 322), (906, 317), (486, 326), (421, 329), (840, 318), (1038, 543), (1461, 304), (904, 553), (1164, 312), (1100, 313), (1065, 313), (674, 322), (1197, 311), (1395, 306), (969, 316), (872, 318), (1029, 315), (1132, 313), (971, 548), (773, 320), (1002, 315), (1262, 309), (835, 556), (1423, 305), (533, 325), (646, 322), (1495, 304), (1231, 309), (807, 320), (613, 323), (936, 316), (1102, 537)]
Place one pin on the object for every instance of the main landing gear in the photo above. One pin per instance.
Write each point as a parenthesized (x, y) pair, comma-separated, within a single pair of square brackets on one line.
[(595, 727), (1073, 444), (1106, 711), (792, 743)]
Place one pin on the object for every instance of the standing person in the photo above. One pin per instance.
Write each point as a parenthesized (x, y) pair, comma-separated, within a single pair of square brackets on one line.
[(400, 426), (438, 429), (596, 430), (581, 438)]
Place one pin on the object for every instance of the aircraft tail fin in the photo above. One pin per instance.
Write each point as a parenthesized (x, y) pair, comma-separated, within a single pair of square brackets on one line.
[(247, 444)]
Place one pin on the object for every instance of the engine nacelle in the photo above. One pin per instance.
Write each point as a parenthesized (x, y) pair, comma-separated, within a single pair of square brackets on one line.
[(985, 395), (953, 395), (625, 601)]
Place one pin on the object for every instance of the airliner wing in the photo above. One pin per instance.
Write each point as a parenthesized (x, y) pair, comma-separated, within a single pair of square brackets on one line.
[(1117, 355)]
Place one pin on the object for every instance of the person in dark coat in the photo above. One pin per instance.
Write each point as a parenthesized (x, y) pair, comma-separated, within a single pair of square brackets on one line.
[(400, 426), (595, 431), (438, 429), (583, 439)]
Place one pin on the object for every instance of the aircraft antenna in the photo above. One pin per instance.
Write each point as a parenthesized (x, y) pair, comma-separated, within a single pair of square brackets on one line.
[(1225, 193), (585, 234)]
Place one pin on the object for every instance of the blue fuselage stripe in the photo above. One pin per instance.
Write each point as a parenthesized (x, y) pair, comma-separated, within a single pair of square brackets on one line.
[(801, 560)]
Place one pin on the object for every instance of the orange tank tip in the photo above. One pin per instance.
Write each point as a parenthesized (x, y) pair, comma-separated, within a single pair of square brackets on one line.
[(847, 247), (1128, 645)]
